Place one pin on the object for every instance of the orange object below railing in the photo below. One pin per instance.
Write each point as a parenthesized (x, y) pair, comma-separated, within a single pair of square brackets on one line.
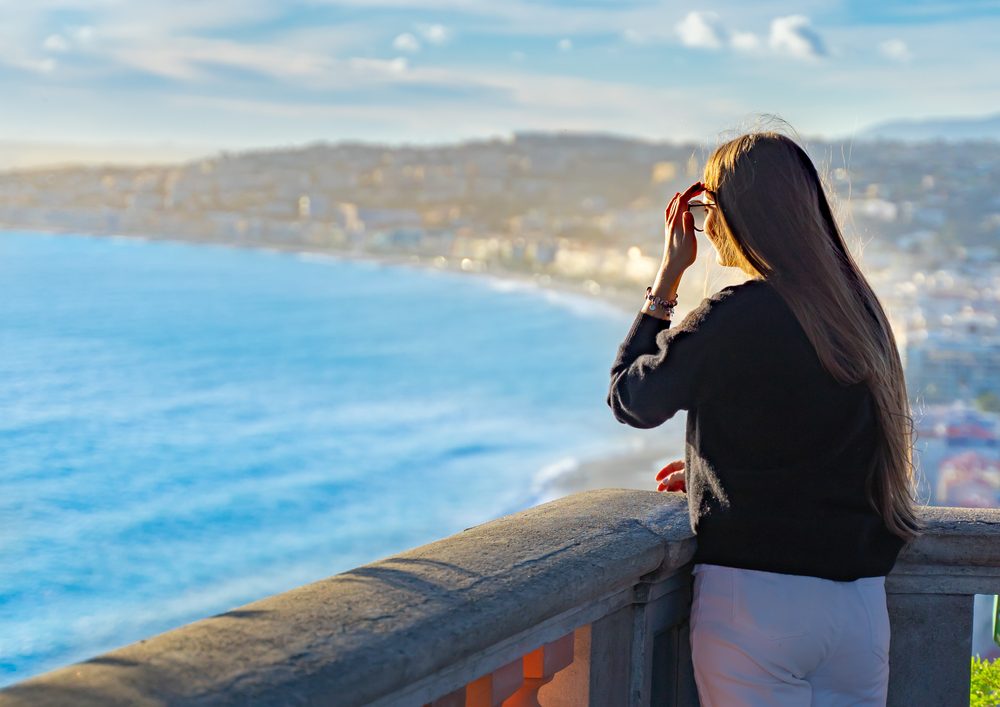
[(515, 684)]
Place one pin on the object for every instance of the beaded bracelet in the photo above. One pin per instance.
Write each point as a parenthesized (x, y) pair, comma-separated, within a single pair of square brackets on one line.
[(667, 305)]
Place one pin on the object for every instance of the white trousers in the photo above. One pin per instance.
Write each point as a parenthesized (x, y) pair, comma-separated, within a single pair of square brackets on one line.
[(765, 639)]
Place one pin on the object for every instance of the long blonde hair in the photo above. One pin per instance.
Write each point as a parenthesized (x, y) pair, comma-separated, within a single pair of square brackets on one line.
[(774, 221)]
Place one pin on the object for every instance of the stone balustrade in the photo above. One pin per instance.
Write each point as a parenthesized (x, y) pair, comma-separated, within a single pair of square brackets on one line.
[(580, 601)]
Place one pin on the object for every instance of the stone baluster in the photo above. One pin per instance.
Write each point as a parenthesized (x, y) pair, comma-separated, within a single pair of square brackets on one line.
[(490, 690), (540, 666)]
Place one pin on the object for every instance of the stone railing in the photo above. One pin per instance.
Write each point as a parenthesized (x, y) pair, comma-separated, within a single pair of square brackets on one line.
[(580, 601)]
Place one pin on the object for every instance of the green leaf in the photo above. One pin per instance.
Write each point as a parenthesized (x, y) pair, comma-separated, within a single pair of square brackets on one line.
[(985, 684)]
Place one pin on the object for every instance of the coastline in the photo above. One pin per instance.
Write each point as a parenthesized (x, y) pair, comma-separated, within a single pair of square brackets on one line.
[(628, 302), (632, 463), (630, 467)]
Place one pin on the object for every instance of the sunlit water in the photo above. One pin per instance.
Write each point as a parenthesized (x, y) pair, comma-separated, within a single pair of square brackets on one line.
[(185, 429)]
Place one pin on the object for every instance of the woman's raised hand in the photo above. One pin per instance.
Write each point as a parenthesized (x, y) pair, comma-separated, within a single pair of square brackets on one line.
[(680, 247), (671, 477)]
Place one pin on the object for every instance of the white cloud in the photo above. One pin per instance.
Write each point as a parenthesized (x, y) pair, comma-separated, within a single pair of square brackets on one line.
[(406, 42), (74, 37), (701, 29), (744, 41), (792, 35), (517, 56), (565, 45), (435, 33), (896, 50), (55, 43)]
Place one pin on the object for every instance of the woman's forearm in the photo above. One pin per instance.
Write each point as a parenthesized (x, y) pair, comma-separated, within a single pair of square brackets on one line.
[(667, 281), (665, 285)]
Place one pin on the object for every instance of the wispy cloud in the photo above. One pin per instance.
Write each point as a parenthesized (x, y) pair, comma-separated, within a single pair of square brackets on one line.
[(406, 42), (896, 50), (505, 100), (485, 60), (190, 58), (793, 35), (435, 33), (55, 43), (82, 35), (37, 66), (379, 66)]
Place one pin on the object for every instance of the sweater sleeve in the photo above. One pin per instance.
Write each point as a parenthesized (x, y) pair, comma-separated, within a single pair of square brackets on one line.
[(660, 370)]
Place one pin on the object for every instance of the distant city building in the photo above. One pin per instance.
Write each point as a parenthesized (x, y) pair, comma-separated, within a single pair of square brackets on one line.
[(943, 366), (378, 219), (970, 479)]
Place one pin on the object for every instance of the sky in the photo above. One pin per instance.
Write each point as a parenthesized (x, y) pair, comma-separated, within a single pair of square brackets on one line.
[(174, 77)]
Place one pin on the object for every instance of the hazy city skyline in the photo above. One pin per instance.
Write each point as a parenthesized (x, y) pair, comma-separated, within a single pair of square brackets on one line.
[(173, 80)]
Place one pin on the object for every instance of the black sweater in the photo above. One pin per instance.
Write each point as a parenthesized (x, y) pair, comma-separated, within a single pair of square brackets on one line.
[(777, 450)]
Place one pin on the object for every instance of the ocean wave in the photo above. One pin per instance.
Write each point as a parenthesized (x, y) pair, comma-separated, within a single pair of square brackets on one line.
[(582, 304), (501, 284), (551, 472), (545, 479)]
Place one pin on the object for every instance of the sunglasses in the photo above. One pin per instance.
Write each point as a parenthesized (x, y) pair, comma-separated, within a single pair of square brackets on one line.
[(699, 209)]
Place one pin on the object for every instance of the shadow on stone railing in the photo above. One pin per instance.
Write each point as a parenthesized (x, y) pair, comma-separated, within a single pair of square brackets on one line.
[(580, 601)]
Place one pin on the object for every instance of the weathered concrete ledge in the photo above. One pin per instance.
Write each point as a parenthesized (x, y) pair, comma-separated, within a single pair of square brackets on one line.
[(375, 629), (931, 593), (611, 567), (959, 554)]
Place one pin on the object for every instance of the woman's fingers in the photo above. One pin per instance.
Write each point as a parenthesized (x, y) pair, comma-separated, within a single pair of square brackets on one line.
[(674, 482), (671, 477), (681, 205), (676, 218), (687, 224), (678, 204), (670, 208), (669, 469), (692, 191), (681, 246)]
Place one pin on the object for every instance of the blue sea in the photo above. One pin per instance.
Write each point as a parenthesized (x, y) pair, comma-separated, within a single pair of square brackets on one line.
[(188, 428)]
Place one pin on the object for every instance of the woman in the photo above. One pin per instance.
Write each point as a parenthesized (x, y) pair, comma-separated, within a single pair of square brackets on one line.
[(798, 459)]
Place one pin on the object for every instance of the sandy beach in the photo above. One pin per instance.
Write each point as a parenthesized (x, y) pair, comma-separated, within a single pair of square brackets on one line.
[(632, 468)]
